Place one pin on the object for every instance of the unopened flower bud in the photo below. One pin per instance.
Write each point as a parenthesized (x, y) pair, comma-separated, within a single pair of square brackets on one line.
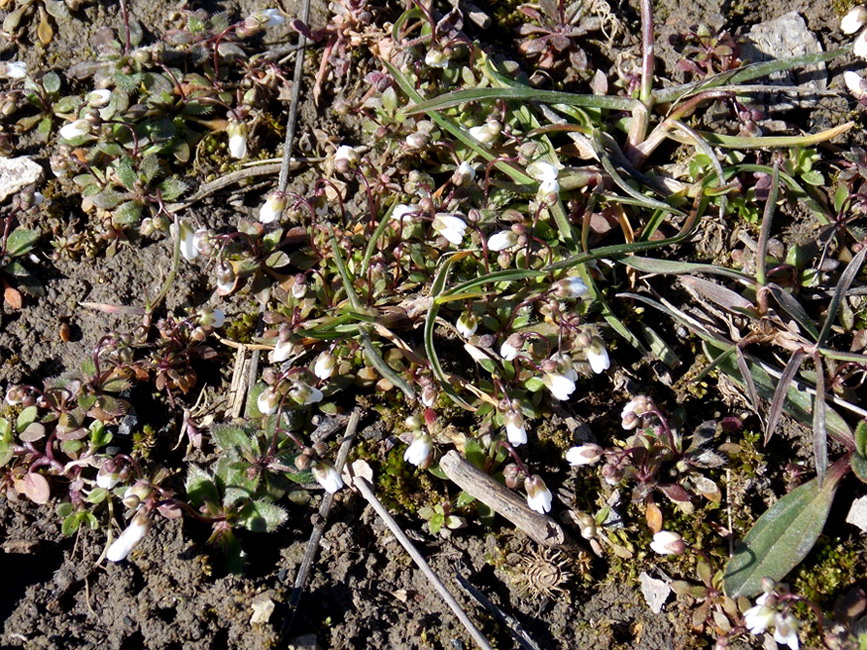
[(268, 401), (324, 366), (467, 324), (420, 452), (539, 497), (327, 477), (345, 159), (513, 475), (667, 543), (237, 139), (273, 207), (588, 454)]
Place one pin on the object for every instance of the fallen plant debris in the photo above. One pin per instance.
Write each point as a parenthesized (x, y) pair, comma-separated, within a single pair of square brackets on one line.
[(593, 295)]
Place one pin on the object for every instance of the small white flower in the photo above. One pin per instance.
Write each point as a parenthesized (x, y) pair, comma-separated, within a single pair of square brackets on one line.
[(786, 630), (758, 618), (508, 351), (450, 227), (219, 318), (561, 386), (538, 495), (467, 324), (547, 175), (226, 279), (345, 158), (237, 139), (588, 454), (667, 543), (268, 18), (16, 69), (429, 396), (75, 129), (486, 133), (268, 401), (436, 59), (202, 240), (854, 20), (299, 286), (597, 356), (502, 241), (327, 477), (403, 212), (129, 538), (304, 394), (516, 431), (98, 98), (107, 480), (856, 84), (859, 47), (464, 174), (182, 230), (419, 452), (571, 287), (282, 350), (543, 171), (324, 366), (272, 208)]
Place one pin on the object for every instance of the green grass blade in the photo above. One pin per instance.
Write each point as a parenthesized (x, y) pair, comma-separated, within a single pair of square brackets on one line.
[(521, 94), (840, 290)]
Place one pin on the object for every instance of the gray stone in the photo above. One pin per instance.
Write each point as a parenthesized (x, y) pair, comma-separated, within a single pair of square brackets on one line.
[(781, 38), (18, 173)]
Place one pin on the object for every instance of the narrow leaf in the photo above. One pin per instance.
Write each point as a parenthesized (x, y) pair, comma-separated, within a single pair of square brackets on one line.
[(840, 290), (820, 431), (776, 409)]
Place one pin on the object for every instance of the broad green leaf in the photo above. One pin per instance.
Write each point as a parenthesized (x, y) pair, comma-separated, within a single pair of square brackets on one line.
[(21, 242), (200, 487), (229, 437), (26, 418), (781, 538), (264, 517)]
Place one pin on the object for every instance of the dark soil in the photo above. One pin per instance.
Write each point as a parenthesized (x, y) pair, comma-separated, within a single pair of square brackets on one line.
[(364, 591)]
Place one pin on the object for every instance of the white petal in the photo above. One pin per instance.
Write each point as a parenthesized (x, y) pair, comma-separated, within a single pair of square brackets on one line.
[(128, 539), (561, 386), (598, 359), (501, 241), (517, 435), (543, 171), (859, 47), (854, 20), (856, 84)]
